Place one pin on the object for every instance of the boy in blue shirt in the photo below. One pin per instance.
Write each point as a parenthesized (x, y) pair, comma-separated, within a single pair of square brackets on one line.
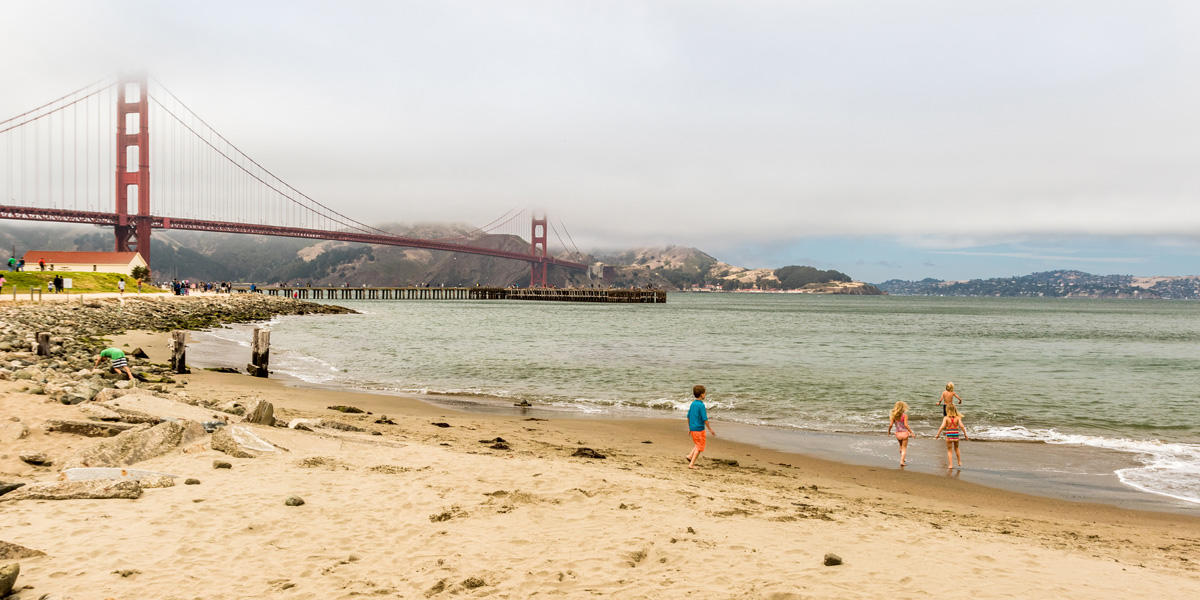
[(697, 422)]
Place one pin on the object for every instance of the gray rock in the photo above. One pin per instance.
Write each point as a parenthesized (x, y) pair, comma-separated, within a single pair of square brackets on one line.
[(11, 432), (8, 578), (294, 501), (234, 408), (304, 424), (86, 428), (240, 441), (8, 487), (107, 394), (37, 459), (587, 453), (832, 560), (136, 445), (99, 413), (222, 464), (261, 412), (340, 426), (93, 489), (11, 551)]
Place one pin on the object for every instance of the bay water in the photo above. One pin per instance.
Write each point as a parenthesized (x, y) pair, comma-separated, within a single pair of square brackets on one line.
[(1121, 376)]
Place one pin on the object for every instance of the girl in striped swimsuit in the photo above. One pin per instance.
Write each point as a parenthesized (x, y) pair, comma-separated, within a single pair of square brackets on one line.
[(952, 427)]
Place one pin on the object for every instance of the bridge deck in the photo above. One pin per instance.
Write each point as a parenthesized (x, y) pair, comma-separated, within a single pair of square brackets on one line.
[(624, 296)]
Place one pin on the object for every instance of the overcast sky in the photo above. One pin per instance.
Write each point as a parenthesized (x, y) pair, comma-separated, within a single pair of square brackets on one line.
[(886, 139)]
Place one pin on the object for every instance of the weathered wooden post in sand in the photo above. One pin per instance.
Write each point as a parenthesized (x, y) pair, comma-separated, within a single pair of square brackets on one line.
[(260, 352), (178, 347), (43, 343)]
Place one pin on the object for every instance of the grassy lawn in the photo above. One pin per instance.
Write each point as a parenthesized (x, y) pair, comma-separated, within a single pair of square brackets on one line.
[(81, 282)]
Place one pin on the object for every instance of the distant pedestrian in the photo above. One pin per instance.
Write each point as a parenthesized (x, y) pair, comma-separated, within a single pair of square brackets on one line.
[(121, 286), (948, 397), (697, 423), (59, 283), (12, 263), (139, 282), (42, 264), (2, 282), (21, 265), (119, 362)]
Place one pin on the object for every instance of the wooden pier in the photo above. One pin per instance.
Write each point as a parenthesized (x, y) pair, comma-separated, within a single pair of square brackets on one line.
[(623, 296)]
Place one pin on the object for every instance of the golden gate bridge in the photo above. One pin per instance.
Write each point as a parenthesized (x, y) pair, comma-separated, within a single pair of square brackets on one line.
[(61, 165)]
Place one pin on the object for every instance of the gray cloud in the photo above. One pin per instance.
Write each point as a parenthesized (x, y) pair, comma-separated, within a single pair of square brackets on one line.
[(661, 122)]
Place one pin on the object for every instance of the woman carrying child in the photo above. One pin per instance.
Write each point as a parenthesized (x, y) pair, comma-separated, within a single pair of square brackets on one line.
[(899, 420), (952, 427)]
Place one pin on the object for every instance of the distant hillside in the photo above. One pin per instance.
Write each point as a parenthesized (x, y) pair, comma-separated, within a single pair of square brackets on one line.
[(1054, 284), (266, 260), (678, 267)]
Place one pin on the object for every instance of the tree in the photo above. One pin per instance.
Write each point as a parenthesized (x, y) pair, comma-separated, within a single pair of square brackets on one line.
[(140, 272)]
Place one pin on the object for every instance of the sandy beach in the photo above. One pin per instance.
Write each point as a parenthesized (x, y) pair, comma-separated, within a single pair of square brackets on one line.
[(413, 509)]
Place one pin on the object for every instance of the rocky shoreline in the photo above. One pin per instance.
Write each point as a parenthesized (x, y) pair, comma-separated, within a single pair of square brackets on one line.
[(77, 330)]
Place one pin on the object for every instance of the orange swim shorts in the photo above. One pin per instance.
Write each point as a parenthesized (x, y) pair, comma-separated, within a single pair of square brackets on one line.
[(698, 439)]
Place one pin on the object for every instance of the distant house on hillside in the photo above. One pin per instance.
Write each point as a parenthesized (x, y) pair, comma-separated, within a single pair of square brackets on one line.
[(97, 262)]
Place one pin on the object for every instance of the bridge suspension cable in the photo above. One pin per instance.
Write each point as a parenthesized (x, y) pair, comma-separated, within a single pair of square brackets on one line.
[(306, 211), (60, 164)]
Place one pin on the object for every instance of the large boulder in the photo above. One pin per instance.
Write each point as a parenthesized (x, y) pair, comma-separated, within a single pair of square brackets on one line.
[(76, 490), (138, 444), (261, 412), (86, 428), (146, 403), (240, 441), (8, 578)]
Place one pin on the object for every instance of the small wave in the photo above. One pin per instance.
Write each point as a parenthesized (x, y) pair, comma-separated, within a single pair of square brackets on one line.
[(1168, 469)]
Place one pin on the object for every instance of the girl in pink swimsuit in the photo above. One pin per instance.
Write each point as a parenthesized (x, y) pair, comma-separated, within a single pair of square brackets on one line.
[(952, 428), (899, 420)]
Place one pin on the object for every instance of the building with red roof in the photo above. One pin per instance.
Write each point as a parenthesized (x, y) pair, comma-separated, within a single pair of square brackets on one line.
[(92, 262)]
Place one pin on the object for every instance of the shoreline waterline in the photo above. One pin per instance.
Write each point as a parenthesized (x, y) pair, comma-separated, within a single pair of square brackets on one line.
[(1077, 473)]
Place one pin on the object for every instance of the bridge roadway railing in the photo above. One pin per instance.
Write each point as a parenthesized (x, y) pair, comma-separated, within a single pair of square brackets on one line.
[(623, 296)]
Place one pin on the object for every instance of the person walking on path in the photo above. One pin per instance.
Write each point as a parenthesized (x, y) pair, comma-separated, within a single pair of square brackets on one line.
[(697, 423), (899, 420), (119, 362), (121, 286), (41, 264), (2, 282), (952, 428), (12, 263), (948, 397), (58, 283)]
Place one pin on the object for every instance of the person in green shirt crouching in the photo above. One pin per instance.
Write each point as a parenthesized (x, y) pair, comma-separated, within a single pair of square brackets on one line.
[(118, 359)]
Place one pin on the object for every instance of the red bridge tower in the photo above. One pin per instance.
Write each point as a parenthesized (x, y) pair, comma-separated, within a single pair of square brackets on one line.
[(133, 231), (537, 249)]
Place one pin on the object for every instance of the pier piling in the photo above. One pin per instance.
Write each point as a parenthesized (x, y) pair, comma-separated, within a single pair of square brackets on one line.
[(260, 352), (178, 346)]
